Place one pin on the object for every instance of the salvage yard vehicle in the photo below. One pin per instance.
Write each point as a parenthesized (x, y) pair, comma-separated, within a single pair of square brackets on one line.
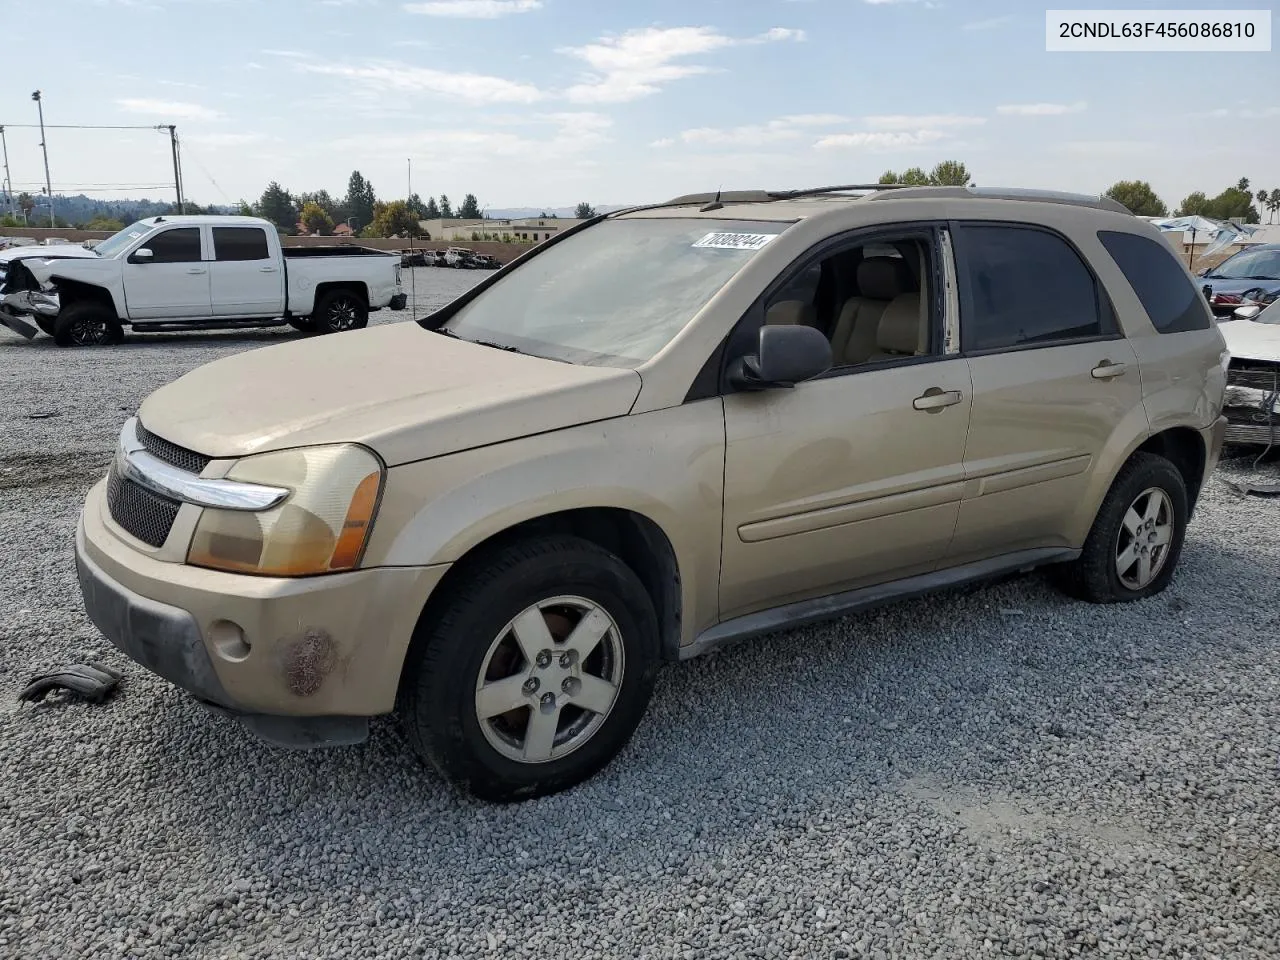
[(197, 273), (1251, 276), (668, 428), (1252, 404)]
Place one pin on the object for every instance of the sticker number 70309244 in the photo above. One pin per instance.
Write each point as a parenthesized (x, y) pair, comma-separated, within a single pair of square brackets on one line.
[(735, 241)]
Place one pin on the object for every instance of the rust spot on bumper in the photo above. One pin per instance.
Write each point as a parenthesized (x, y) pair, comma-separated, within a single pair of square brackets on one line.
[(309, 658)]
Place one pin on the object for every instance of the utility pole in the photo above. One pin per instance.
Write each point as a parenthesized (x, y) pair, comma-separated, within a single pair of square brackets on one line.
[(8, 180), (47, 182), (177, 170)]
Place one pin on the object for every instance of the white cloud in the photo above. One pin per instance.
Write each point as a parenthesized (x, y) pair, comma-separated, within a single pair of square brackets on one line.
[(639, 62), (663, 143), (473, 9), (567, 137), (169, 109), (783, 128), (288, 54), (989, 24), (925, 121), (879, 139), (1111, 148), (218, 140), (388, 76), (1040, 109)]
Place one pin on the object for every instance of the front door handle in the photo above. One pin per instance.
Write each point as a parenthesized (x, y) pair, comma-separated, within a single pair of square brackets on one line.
[(196, 270), (935, 399), (1106, 370), (266, 269)]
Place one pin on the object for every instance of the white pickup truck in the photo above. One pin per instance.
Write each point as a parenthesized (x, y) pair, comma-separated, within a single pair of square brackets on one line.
[(196, 273)]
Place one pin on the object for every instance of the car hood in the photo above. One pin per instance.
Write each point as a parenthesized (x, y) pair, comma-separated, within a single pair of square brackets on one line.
[(56, 252), (1249, 340), (404, 391)]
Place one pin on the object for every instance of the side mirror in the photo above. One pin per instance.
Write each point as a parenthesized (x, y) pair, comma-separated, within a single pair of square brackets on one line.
[(142, 255), (1247, 312), (786, 355)]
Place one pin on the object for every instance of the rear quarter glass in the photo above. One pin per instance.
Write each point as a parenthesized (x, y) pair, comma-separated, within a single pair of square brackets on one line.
[(1171, 299)]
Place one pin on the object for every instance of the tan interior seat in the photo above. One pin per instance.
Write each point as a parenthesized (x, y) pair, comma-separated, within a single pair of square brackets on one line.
[(901, 332), (790, 312), (880, 279)]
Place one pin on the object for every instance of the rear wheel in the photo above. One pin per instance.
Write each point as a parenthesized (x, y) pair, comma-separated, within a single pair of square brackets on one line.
[(340, 310), (87, 325), (534, 673), (1137, 537)]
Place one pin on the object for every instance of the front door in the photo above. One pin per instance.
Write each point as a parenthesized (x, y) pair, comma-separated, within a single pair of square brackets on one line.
[(173, 282), (1053, 380), (245, 280), (853, 478)]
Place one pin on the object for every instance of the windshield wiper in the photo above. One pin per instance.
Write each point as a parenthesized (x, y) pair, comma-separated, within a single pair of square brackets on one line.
[(1260, 276), (483, 343)]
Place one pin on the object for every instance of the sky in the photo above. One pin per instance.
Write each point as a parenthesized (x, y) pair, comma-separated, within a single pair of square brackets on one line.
[(552, 102)]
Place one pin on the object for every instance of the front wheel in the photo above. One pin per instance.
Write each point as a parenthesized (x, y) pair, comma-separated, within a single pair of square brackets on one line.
[(87, 325), (340, 310), (1137, 537), (536, 671)]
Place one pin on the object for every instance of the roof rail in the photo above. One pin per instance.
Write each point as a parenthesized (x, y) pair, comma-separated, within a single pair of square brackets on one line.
[(768, 196), (1007, 193)]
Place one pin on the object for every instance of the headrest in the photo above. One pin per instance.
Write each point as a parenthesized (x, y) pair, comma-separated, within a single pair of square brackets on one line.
[(789, 311), (899, 330), (883, 278)]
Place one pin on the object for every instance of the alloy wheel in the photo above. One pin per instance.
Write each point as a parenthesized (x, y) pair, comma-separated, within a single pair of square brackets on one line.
[(1146, 531)]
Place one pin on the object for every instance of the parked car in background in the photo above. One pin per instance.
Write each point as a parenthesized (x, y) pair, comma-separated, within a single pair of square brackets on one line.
[(204, 272), (497, 521), (1252, 404), (1250, 276)]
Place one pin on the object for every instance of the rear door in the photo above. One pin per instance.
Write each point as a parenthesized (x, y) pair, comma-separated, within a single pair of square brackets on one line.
[(1053, 380), (173, 282), (245, 280)]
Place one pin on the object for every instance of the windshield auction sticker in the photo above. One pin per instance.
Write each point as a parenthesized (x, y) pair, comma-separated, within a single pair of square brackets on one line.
[(735, 241)]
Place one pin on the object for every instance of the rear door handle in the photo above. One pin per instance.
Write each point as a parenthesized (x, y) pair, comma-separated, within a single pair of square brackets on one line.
[(935, 399), (1106, 370)]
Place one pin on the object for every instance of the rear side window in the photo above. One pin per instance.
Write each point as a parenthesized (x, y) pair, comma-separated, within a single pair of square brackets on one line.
[(1170, 298), (1020, 286), (240, 243), (176, 246)]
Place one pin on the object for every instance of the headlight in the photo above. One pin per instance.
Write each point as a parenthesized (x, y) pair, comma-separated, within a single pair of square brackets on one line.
[(321, 528)]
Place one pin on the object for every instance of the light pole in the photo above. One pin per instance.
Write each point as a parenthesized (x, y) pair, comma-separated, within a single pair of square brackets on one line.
[(47, 182)]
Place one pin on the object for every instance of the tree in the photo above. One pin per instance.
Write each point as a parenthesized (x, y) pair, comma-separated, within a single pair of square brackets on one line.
[(417, 207), (104, 223), (431, 211), (950, 173), (1138, 198), (1243, 185), (391, 220), (584, 211), (470, 209), (446, 211), (315, 219), (1193, 205), (360, 200), (26, 203), (544, 216), (1273, 204), (244, 209), (277, 206)]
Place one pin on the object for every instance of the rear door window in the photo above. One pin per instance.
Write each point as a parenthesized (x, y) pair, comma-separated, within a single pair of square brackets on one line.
[(1023, 286), (240, 243), (1167, 294)]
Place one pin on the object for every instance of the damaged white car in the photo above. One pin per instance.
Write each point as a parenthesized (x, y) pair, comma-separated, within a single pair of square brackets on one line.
[(1252, 403), (23, 299)]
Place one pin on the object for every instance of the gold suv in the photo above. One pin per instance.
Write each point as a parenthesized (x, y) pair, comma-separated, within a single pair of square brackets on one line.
[(669, 428)]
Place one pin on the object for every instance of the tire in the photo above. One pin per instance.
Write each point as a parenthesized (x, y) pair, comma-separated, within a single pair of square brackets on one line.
[(338, 311), (46, 325), (305, 324), (87, 324), (500, 759), (1154, 488)]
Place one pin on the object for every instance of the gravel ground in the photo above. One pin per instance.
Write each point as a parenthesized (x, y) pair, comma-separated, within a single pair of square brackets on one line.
[(990, 772)]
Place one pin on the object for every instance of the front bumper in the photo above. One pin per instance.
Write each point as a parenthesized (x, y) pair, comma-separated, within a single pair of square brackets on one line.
[(399, 301), (300, 661)]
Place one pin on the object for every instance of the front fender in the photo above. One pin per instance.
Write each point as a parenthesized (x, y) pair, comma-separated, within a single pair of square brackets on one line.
[(98, 275), (667, 466)]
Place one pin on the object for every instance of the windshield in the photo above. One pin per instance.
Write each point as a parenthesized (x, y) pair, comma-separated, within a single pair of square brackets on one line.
[(614, 294), (1250, 265), (119, 241)]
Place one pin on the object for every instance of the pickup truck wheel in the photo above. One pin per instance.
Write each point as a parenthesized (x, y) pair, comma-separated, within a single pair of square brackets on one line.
[(1136, 539), (535, 672), (340, 310), (87, 325)]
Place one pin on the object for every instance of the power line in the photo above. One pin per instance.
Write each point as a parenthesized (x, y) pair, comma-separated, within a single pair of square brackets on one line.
[(82, 126)]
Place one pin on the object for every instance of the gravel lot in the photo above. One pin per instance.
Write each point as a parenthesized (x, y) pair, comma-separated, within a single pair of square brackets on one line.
[(990, 772)]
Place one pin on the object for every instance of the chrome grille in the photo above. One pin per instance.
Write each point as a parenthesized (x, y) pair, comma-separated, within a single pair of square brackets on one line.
[(140, 512), (171, 453)]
